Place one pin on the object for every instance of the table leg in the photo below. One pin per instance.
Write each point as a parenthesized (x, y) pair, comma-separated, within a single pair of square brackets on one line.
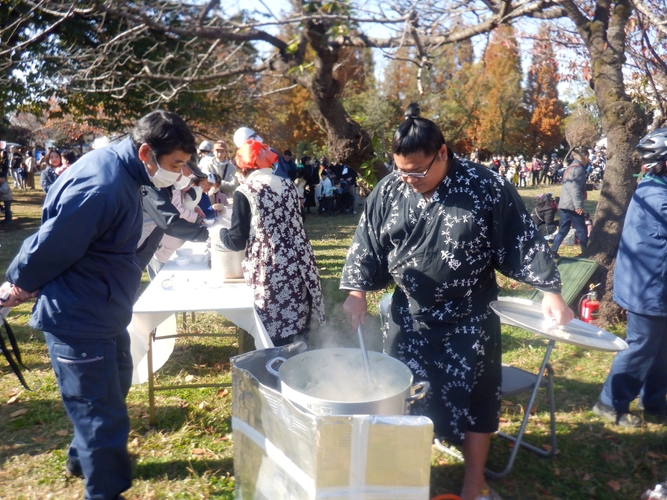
[(246, 341), (151, 383)]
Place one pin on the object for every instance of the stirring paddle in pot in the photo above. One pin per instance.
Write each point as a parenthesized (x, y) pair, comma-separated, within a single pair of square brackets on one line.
[(364, 355)]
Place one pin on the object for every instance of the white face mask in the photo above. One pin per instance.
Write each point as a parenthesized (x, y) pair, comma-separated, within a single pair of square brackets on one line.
[(183, 182), (162, 178)]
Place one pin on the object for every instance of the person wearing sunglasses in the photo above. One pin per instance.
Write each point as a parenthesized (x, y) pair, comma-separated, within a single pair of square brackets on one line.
[(439, 228)]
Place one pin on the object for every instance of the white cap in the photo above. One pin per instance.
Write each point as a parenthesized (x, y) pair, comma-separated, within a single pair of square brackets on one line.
[(206, 146), (243, 134)]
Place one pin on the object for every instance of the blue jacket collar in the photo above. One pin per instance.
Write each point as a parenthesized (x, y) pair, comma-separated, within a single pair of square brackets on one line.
[(129, 155)]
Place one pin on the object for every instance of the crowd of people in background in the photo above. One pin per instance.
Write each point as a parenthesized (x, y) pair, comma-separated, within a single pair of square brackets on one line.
[(325, 187), (20, 166), (581, 171), (547, 169)]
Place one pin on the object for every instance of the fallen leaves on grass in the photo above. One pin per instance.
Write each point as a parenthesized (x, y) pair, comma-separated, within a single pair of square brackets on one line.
[(223, 392), (614, 485), (63, 432), (18, 413), (14, 397)]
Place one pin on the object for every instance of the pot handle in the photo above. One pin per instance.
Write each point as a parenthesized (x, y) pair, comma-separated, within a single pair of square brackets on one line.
[(418, 391), (271, 369)]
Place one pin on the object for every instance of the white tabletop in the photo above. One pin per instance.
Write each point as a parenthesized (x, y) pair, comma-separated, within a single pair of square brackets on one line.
[(185, 289)]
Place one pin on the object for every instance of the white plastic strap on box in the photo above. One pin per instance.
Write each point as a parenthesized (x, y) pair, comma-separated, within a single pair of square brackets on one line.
[(358, 453), (303, 479), (375, 492)]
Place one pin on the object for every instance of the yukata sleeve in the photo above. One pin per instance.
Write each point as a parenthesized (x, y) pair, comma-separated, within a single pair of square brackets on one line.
[(366, 265), (520, 250)]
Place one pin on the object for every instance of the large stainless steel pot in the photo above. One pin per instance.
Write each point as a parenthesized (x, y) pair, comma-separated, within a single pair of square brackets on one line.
[(333, 382)]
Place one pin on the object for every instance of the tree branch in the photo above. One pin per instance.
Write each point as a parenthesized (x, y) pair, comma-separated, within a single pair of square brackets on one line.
[(655, 21)]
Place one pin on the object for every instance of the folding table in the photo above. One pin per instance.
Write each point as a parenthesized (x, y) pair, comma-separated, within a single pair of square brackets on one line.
[(185, 289)]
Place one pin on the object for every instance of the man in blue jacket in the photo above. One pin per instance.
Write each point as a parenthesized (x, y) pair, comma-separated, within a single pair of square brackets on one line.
[(81, 265), (640, 286)]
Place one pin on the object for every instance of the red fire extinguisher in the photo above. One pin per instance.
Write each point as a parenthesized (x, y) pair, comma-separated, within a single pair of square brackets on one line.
[(589, 307)]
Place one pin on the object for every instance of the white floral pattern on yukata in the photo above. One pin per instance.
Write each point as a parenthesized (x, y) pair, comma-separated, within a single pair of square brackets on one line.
[(442, 254), (280, 263)]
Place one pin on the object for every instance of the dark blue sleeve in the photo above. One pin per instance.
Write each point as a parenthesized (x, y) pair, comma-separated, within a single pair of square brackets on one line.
[(207, 208), (76, 219), (236, 237)]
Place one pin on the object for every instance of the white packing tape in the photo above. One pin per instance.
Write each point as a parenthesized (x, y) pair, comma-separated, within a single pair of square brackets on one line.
[(358, 453), (303, 479)]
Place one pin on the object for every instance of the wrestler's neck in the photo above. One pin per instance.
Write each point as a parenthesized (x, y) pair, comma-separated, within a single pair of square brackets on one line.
[(428, 194)]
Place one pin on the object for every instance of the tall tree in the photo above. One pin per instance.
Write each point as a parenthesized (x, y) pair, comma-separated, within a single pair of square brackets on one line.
[(542, 102), (501, 117), (603, 33)]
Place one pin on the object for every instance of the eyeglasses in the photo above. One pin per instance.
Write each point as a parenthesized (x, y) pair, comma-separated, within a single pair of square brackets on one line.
[(415, 175)]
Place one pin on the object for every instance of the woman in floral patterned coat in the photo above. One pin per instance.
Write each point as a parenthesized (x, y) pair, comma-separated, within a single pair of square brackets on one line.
[(439, 227), (279, 262)]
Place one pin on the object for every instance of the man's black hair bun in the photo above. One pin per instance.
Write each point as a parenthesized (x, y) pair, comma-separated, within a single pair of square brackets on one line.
[(412, 111)]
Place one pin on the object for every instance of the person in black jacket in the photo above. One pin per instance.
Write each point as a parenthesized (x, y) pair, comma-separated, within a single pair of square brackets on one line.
[(544, 214), (15, 161), (312, 180)]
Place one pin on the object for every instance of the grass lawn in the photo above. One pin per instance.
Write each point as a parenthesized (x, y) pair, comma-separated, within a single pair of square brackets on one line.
[(189, 454)]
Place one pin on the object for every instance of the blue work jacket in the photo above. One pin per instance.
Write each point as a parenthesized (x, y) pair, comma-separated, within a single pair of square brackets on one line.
[(83, 257), (640, 273)]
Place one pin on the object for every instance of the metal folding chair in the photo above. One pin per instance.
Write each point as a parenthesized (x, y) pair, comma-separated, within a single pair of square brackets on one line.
[(516, 381)]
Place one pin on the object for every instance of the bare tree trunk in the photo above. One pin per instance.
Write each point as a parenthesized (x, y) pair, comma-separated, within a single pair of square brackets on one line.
[(346, 140), (623, 123)]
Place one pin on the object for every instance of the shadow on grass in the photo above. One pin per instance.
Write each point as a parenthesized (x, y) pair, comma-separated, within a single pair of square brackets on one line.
[(34, 431), (190, 358), (20, 224), (593, 460), (182, 469)]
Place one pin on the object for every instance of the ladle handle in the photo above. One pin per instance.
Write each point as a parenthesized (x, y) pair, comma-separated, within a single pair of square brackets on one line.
[(364, 354)]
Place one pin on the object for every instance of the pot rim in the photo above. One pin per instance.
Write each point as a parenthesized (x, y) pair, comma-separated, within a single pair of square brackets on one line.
[(405, 392)]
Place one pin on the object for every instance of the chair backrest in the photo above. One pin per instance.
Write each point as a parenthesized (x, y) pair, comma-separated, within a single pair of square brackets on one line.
[(574, 274)]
